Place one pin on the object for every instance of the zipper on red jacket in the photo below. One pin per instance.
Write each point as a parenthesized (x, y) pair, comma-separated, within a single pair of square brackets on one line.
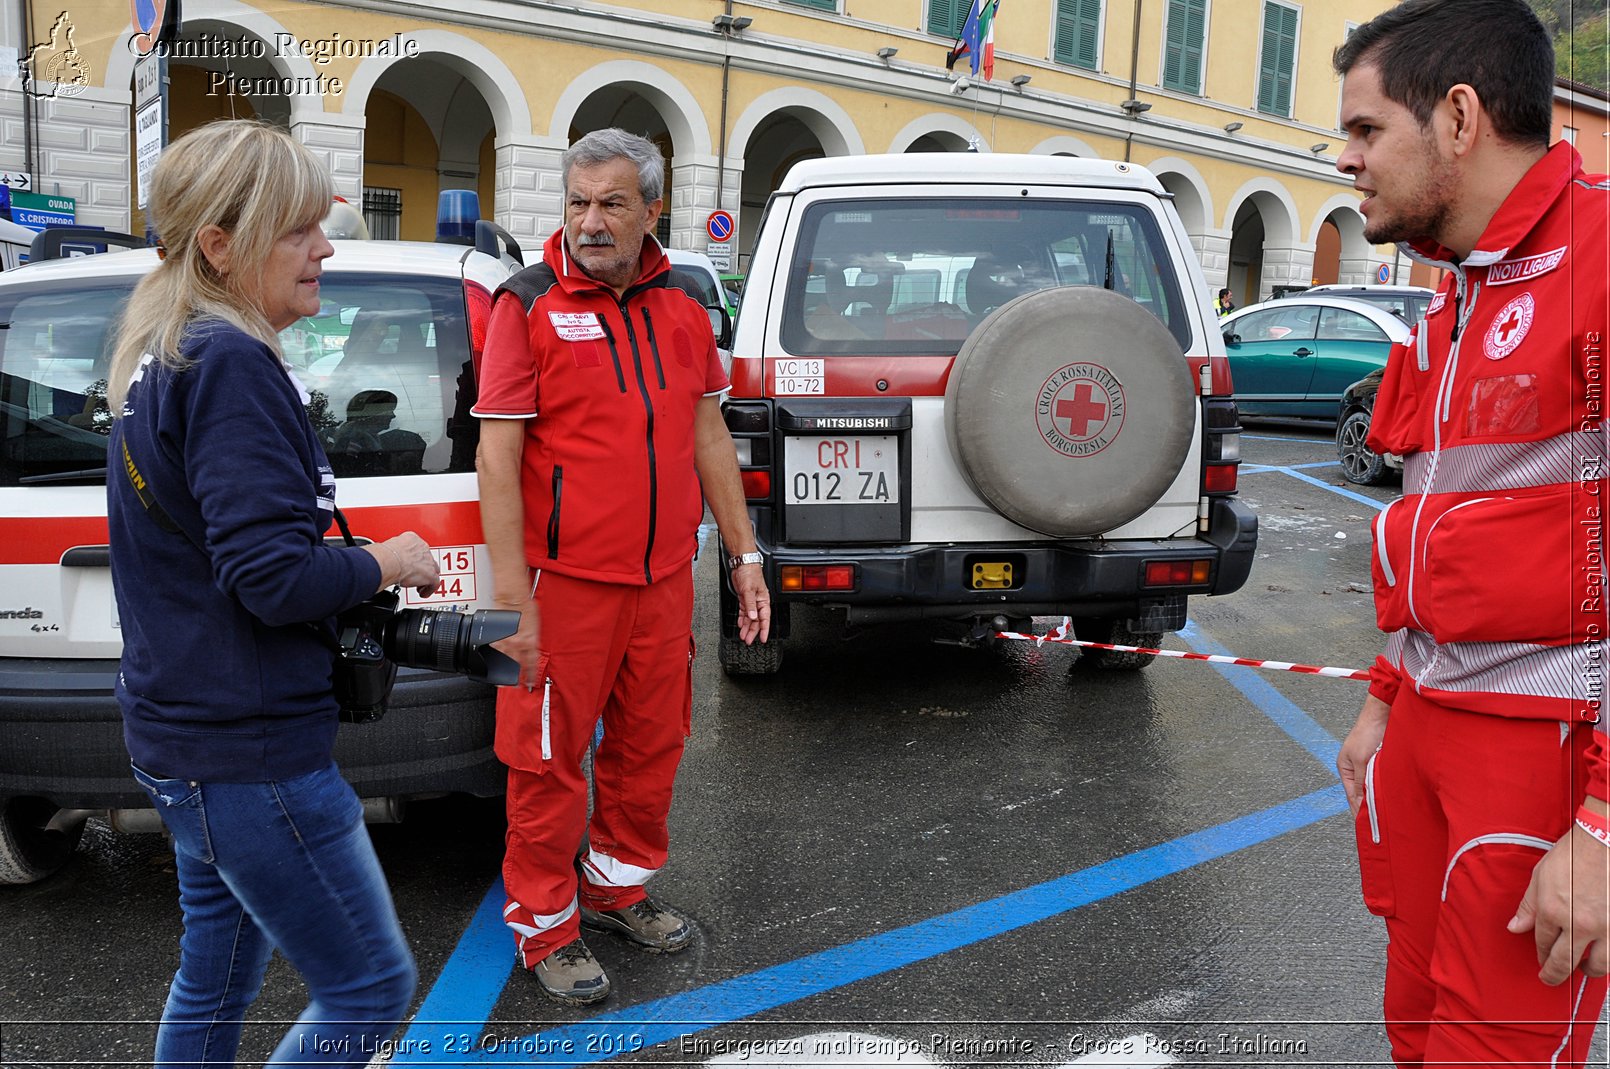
[(653, 472), (654, 347), (609, 336), (553, 517)]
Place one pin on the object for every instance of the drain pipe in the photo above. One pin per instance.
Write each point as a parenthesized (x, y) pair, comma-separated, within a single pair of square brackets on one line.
[(1134, 67), (27, 79)]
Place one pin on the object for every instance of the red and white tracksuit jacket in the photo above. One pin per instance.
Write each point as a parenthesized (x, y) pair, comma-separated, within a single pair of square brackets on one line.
[(1490, 580), (609, 388)]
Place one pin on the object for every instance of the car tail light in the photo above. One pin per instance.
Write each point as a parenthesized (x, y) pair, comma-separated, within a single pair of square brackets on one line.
[(749, 423), (814, 577), (1219, 478), (1178, 572)]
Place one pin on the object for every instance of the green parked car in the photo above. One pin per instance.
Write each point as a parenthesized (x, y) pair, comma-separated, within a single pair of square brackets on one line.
[(1295, 356)]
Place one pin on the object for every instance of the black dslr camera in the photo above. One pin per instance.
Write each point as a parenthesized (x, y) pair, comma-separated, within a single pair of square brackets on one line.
[(374, 637)]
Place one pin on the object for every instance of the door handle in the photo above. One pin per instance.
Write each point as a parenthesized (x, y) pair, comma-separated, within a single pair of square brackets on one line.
[(1304, 351)]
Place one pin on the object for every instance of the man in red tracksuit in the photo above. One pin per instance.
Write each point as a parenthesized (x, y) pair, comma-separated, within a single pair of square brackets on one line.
[(600, 418), (1477, 767)]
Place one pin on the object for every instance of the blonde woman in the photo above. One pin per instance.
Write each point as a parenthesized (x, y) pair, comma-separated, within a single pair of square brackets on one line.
[(218, 505)]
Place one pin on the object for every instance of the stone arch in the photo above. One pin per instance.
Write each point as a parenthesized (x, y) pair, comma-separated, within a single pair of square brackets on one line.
[(1065, 145), (685, 120), (956, 133), (1356, 259), (1193, 200), (1264, 250), (478, 65), (823, 116)]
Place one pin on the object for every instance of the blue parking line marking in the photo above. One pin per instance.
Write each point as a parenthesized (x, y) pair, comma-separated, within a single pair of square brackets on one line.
[(1303, 729), (1342, 490), (464, 995)]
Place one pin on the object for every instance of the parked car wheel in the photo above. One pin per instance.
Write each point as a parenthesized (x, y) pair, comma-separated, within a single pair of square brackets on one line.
[(1360, 464), (28, 850)]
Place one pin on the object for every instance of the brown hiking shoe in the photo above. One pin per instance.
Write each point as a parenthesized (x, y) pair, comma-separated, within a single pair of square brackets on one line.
[(572, 975), (647, 924)]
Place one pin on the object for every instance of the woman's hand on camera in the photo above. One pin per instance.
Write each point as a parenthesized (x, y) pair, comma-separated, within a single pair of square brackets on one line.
[(406, 561)]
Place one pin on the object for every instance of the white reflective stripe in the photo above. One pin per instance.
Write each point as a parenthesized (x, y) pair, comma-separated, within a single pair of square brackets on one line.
[(1422, 346), (547, 742), (1380, 546), (1499, 839), (1519, 668), (605, 871), (1369, 795), (544, 922), (1485, 467), (1462, 505), (1576, 1008)]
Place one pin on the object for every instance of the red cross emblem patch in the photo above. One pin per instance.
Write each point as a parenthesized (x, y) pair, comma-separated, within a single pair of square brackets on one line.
[(1508, 328), (1080, 409)]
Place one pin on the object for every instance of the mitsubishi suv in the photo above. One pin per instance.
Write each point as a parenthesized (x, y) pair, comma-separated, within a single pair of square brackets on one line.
[(979, 388)]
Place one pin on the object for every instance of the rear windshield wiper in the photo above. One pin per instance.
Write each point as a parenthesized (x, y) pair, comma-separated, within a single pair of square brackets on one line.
[(1111, 262), (63, 476)]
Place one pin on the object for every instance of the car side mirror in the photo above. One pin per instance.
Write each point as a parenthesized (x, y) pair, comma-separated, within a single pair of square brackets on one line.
[(721, 326), (1232, 338)]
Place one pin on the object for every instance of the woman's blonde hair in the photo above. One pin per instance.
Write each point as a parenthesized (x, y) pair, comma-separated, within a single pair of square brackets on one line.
[(248, 178)]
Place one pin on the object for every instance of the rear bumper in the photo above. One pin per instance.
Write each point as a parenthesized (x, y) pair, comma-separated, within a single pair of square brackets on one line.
[(61, 738), (1079, 578)]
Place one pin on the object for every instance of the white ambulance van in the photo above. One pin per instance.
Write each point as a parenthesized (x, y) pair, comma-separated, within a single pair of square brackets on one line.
[(389, 364)]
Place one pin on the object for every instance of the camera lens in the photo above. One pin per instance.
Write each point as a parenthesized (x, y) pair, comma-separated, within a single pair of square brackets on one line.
[(454, 642)]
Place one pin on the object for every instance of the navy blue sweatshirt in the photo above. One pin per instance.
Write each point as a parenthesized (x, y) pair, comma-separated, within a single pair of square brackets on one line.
[(221, 678)]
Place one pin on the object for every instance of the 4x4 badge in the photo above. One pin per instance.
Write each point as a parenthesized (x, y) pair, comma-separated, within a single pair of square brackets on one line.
[(1080, 409)]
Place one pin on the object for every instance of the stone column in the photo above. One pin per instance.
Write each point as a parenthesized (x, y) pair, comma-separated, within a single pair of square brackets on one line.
[(1213, 251), (693, 198), (1290, 265), (83, 151), (337, 140), (527, 190)]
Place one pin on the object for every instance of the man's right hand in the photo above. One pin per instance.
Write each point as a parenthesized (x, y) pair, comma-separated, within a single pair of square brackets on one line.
[(1359, 746), (523, 644)]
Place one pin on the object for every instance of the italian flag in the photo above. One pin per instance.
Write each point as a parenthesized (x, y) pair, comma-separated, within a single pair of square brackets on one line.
[(977, 41)]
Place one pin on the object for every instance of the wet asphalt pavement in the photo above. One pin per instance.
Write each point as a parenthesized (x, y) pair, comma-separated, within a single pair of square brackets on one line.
[(894, 852)]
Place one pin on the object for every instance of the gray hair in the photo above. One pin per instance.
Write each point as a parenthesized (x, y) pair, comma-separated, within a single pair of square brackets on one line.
[(602, 146)]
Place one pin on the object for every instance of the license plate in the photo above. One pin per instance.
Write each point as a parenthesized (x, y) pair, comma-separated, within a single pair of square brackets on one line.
[(842, 471)]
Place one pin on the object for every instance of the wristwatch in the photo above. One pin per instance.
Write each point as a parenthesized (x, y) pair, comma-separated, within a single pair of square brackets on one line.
[(738, 560)]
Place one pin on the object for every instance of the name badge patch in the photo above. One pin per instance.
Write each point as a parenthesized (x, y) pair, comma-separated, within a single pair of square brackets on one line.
[(1508, 271), (576, 326)]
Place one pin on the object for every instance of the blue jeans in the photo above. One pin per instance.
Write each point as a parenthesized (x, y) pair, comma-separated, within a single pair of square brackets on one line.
[(284, 865)]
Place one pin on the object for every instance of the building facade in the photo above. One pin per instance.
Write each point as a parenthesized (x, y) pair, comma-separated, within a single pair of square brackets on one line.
[(1232, 103)]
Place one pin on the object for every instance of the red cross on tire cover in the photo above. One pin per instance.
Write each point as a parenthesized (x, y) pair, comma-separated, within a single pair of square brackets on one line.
[(1070, 410)]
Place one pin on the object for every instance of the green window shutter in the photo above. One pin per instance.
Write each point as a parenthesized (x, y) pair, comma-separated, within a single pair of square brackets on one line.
[(1078, 31), (945, 17), (1277, 59), (1182, 45), (820, 5)]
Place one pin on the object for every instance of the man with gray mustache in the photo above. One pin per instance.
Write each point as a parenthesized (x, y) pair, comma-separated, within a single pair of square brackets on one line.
[(600, 394)]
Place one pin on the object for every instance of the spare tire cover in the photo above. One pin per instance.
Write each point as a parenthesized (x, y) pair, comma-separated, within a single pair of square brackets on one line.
[(1070, 410)]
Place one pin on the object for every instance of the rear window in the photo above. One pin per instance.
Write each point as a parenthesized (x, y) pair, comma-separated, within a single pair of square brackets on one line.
[(903, 277), (386, 364)]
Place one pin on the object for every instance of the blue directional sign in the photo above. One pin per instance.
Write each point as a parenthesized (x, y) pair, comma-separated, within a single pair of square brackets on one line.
[(37, 212)]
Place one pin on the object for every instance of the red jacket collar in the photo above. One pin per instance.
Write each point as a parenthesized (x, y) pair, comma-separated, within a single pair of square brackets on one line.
[(1518, 216), (651, 264)]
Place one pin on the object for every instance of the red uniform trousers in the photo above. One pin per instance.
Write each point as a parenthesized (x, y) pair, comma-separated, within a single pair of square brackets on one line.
[(1459, 808), (624, 653)]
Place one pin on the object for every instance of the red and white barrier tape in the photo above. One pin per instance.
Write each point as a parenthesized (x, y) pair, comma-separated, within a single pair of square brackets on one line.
[(1062, 635)]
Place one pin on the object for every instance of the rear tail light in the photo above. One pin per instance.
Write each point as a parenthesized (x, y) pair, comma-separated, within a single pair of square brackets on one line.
[(814, 577), (1178, 572), (1219, 478), (749, 423)]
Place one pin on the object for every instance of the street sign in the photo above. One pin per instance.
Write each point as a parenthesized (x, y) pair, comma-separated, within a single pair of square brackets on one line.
[(720, 225), (720, 253), (147, 80), (19, 181), (1383, 273), (38, 212), (147, 147)]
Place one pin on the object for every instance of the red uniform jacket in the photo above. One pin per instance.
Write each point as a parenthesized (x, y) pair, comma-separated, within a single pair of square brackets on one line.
[(1490, 570), (609, 388)]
